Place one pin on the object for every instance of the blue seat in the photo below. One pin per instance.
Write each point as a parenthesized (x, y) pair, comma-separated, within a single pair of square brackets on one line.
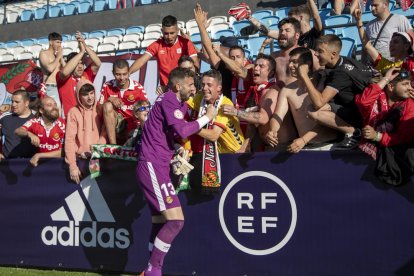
[(352, 32), (412, 22), (97, 33), (367, 16), (408, 12), (12, 43), (28, 41), (26, 15), (112, 4), (66, 37), (54, 11), (324, 13), (84, 34), (225, 33), (196, 37), (262, 13), (238, 26), (270, 20), (274, 27), (40, 13), (116, 31), (282, 12), (147, 2), (100, 5), (338, 20), (84, 7), (204, 67), (69, 9), (329, 31), (135, 29), (254, 44), (348, 46), (61, 5), (43, 40)]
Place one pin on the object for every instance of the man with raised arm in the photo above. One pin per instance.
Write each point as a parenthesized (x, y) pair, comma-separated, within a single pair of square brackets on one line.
[(75, 70), (167, 50), (165, 122)]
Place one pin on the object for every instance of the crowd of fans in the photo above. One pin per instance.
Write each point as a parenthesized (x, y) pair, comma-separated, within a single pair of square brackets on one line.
[(304, 96)]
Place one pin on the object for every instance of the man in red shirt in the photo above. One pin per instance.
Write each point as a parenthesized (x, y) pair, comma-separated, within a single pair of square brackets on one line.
[(74, 70), (118, 97), (167, 50), (46, 132)]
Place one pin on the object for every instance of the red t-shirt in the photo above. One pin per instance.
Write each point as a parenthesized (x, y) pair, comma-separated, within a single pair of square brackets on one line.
[(67, 88), (133, 94), (50, 140), (168, 55)]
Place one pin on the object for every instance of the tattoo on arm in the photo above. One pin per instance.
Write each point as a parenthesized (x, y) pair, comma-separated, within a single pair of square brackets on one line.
[(263, 29), (244, 114)]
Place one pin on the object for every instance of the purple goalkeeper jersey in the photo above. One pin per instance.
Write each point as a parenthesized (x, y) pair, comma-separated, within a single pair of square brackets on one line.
[(165, 118)]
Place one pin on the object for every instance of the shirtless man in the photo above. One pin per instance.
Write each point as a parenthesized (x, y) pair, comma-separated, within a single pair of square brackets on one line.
[(265, 92), (51, 60), (289, 33), (295, 97)]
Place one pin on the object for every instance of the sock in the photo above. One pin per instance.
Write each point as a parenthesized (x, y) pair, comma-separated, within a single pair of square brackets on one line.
[(162, 244), (156, 227)]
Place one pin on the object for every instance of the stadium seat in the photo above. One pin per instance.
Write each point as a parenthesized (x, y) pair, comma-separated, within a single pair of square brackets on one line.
[(329, 31), (28, 41), (66, 37), (40, 13), (69, 9), (24, 56), (274, 27), (54, 11), (153, 27), (6, 57), (270, 20), (190, 24), (26, 15), (145, 43), (12, 17), (1, 18), (84, 7), (68, 50), (133, 37), (238, 26), (73, 44), (84, 34), (352, 32), (98, 33), (324, 13), (217, 19), (114, 39), (338, 20), (152, 35), (282, 12), (3, 51), (181, 24), (107, 47), (406, 13), (17, 50), (193, 30), (218, 27), (125, 45), (112, 4), (195, 37), (218, 34), (204, 67), (100, 5), (43, 40), (36, 48), (348, 46), (116, 31), (93, 42), (262, 13), (367, 16), (135, 29), (254, 44), (12, 43)]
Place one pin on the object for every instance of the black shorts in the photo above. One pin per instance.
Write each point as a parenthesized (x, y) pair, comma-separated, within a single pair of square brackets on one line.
[(349, 114)]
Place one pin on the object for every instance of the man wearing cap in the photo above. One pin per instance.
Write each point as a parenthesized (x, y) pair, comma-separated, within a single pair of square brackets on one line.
[(83, 128), (234, 67), (167, 50), (400, 47)]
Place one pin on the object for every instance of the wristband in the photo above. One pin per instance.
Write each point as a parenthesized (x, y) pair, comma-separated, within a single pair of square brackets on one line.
[(202, 121), (387, 80)]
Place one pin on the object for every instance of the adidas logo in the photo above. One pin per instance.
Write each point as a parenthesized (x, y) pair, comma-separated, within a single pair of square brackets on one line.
[(82, 228)]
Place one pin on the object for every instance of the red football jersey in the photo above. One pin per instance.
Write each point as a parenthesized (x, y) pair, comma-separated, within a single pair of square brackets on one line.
[(50, 139)]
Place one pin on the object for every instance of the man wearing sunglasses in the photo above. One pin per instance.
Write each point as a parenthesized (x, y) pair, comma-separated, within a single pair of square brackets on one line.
[(387, 111), (117, 99)]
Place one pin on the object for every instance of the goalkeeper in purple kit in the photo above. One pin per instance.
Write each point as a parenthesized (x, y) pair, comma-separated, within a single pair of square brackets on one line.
[(166, 121)]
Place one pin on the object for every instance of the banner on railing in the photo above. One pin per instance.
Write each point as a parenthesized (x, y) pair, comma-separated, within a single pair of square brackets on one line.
[(315, 213)]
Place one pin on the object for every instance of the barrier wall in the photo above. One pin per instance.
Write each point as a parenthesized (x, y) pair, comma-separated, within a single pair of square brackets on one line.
[(315, 213)]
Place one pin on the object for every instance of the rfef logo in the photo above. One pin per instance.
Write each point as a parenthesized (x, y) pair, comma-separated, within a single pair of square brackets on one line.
[(259, 220), (85, 226)]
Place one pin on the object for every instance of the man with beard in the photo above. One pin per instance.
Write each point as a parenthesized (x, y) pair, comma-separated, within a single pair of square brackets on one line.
[(165, 122), (51, 60), (117, 99), (167, 50), (13, 146), (289, 33), (74, 70), (261, 100), (46, 132)]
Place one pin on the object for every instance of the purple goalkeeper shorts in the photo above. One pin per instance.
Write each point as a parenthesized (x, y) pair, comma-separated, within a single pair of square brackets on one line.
[(157, 187)]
